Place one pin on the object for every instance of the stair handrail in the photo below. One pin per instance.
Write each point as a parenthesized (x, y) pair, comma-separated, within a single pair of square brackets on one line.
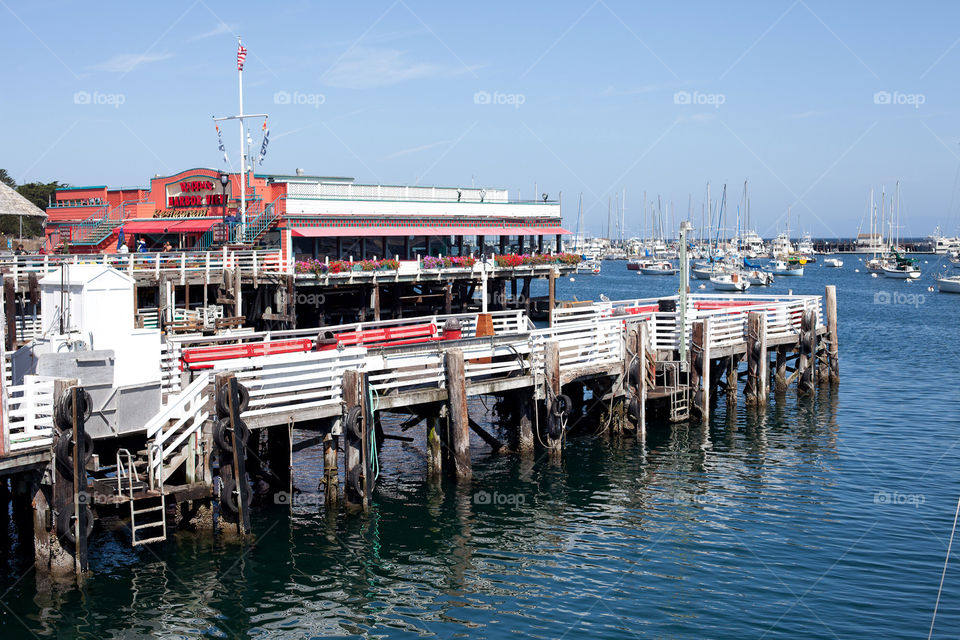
[(130, 473)]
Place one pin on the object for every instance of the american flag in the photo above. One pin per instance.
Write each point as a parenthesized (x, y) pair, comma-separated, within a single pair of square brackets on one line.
[(241, 56)]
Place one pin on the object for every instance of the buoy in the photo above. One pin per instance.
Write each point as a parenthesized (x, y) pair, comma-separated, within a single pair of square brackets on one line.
[(856, 270), (703, 286), (873, 275), (573, 280), (929, 288)]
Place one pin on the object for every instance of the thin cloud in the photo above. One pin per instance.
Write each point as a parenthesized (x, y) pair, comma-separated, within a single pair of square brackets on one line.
[(803, 114), (219, 30), (127, 62), (423, 147), (698, 118), (366, 68), (612, 92)]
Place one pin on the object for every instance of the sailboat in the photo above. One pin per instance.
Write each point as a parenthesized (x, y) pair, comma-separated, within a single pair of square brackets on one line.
[(897, 266), (948, 284)]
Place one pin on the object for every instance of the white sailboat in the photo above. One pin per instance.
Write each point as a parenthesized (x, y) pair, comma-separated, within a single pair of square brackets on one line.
[(836, 263), (783, 268)]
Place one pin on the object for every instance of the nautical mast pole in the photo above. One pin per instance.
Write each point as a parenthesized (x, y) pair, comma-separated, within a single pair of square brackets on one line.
[(243, 156)]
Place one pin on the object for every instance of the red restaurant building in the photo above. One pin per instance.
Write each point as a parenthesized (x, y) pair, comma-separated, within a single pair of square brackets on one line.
[(314, 216)]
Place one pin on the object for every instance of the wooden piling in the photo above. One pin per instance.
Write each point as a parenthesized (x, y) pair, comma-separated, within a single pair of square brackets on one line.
[(780, 375), (833, 344), (806, 364), (459, 417), (434, 447), (352, 491), (524, 430), (551, 363), (635, 370), (701, 354), (755, 389), (331, 489), (733, 377)]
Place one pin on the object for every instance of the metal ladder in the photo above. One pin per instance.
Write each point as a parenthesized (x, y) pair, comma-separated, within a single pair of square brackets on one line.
[(679, 391), (137, 499)]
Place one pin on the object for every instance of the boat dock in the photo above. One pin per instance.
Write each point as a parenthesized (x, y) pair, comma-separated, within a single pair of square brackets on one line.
[(229, 404)]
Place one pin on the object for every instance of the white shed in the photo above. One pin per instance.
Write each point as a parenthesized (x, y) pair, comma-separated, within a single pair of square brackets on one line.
[(94, 303)]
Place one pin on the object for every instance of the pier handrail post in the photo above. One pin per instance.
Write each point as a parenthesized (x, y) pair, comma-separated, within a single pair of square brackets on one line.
[(458, 414), (833, 346)]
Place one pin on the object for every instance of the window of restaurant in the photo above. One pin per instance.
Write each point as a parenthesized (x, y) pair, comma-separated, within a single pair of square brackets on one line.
[(373, 248), (396, 247), (350, 248), (327, 248), (302, 248), (418, 246)]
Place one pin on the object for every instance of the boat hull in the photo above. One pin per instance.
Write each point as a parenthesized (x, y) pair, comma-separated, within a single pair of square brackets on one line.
[(648, 271), (949, 285)]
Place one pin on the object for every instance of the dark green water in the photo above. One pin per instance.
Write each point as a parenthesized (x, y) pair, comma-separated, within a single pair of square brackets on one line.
[(822, 518)]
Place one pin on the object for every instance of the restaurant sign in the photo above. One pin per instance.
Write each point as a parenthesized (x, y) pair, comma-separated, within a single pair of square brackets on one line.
[(194, 194)]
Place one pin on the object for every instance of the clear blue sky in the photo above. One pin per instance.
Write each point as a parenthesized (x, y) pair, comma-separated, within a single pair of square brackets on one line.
[(583, 98)]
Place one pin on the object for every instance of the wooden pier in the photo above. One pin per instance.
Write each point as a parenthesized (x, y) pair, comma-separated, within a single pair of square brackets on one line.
[(230, 403)]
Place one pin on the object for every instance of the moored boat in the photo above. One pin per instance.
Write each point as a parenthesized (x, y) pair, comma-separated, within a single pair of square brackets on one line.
[(836, 263), (782, 268), (659, 269), (729, 282), (949, 284)]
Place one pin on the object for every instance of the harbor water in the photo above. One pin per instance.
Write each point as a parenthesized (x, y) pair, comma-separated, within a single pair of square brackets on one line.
[(824, 517)]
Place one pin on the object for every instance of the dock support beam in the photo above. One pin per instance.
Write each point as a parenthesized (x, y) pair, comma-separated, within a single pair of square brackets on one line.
[(459, 417), (733, 377), (757, 359), (833, 345), (552, 295)]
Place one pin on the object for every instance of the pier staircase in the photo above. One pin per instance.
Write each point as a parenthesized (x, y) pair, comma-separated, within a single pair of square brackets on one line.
[(173, 441), (259, 223), (99, 227)]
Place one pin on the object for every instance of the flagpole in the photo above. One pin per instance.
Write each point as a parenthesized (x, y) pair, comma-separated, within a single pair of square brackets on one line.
[(243, 163)]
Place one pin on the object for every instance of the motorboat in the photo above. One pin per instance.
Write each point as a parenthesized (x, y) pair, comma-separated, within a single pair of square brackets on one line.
[(729, 281), (836, 263), (949, 284), (662, 268), (783, 268)]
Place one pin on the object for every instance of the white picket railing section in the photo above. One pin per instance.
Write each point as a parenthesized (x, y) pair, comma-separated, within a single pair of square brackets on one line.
[(168, 430), (182, 263), (30, 413)]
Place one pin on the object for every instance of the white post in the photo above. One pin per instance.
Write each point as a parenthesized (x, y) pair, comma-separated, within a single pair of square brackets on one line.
[(206, 268), (290, 260), (243, 157), (183, 267), (156, 266), (130, 260), (483, 287), (255, 264)]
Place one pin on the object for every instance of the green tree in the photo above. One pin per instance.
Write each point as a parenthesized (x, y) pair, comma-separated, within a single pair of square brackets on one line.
[(40, 193), (7, 179)]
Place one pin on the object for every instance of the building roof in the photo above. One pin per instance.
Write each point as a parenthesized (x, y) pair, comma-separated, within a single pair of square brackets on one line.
[(14, 204)]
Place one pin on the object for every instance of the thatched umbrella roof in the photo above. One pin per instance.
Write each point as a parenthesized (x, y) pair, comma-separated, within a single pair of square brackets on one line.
[(14, 204)]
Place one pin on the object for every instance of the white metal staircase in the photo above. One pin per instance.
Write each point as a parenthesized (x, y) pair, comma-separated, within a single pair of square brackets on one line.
[(148, 507)]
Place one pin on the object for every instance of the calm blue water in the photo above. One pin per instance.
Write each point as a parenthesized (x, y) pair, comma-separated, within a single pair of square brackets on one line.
[(822, 518)]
